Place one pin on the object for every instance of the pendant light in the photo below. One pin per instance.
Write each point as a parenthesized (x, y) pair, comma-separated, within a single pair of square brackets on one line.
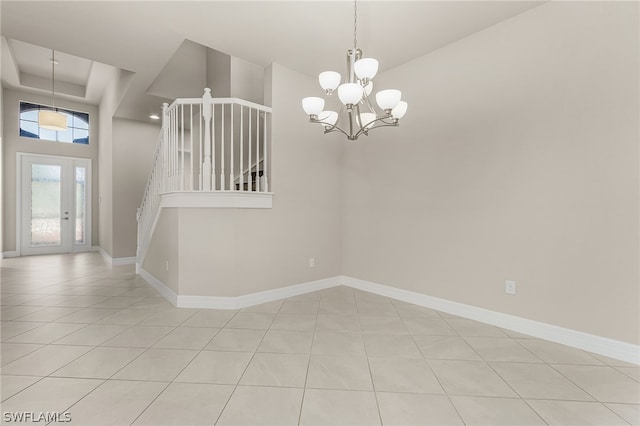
[(51, 119)]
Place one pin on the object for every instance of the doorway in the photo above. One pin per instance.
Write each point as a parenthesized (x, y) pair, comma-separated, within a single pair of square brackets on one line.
[(54, 204)]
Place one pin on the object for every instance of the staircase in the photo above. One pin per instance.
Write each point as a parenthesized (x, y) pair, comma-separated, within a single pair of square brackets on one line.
[(259, 175), (211, 152)]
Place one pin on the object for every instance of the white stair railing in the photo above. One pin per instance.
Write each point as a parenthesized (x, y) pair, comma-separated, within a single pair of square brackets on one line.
[(207, 145)]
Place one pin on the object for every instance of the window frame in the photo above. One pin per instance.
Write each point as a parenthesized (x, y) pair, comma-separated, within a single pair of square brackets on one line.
[(67, 111)]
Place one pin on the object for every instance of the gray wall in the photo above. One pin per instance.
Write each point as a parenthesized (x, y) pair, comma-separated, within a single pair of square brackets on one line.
[(517, 160), (13, 143)]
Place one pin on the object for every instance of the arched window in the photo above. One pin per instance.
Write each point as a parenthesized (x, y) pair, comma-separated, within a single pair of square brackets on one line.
[(77, 125)]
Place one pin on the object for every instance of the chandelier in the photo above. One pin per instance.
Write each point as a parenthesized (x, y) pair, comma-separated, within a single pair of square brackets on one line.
[(361, 114), (51, 119)]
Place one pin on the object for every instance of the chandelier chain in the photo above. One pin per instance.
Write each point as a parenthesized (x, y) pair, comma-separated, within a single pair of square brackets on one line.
[(355, 24)]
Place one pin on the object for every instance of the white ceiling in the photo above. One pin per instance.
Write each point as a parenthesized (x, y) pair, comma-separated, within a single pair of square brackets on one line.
[(33, 60), (28, 67), (309, 36)]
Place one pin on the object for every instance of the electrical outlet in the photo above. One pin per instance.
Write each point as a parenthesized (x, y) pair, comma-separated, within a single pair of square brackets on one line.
[(312, 262), (167, 266), (510, 287)]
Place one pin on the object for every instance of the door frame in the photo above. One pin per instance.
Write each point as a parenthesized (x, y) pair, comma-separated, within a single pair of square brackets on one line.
[(74, 248)]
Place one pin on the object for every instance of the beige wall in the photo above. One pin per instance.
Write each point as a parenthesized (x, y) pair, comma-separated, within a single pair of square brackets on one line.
[(232, 252), (1, 174), (162, 258), (13, 143), (118, 83), (218, 73), (107, 107), (134, 145), (247, 80), (517, 160), (184, 75)]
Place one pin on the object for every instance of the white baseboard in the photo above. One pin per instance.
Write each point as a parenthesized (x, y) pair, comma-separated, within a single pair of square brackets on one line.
[(8, 254), (238, 302), (162, 288), (600, 345), (117, 261), (104, 255)]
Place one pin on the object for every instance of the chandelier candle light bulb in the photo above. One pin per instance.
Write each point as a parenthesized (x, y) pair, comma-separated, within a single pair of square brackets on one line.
[(361, 114)]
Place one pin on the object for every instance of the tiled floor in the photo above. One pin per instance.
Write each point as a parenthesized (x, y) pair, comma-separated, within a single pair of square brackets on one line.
[(99, 343)]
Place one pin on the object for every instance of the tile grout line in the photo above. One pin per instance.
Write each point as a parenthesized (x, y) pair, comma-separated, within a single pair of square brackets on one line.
[(93, 347), (366, 355), (76, 358), (413, 339), (625, 373), (149, 299), (53, 343), (306, 377), (245, 368), (579, 387), (515, 391), (116, 372), (585, 391)]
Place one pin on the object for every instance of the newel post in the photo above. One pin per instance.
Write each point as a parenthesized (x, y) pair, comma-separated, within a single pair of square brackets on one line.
[(165, 148), (207, 106)]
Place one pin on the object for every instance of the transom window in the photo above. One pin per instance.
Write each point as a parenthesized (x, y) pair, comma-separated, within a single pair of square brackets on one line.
[(77, 125)]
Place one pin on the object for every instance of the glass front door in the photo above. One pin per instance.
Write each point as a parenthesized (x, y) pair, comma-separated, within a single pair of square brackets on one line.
[(55, 204)]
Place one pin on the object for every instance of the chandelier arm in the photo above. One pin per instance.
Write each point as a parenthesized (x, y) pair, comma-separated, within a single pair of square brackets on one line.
[(392, 122), (336, 129), (329, 128), (350, 115), (358, 119), (377, 111), (340, 115), (384, 124), (371, 126)]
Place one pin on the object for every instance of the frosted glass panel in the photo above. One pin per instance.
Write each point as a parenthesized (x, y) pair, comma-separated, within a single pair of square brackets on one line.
[(80, 195), (45, 205)]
